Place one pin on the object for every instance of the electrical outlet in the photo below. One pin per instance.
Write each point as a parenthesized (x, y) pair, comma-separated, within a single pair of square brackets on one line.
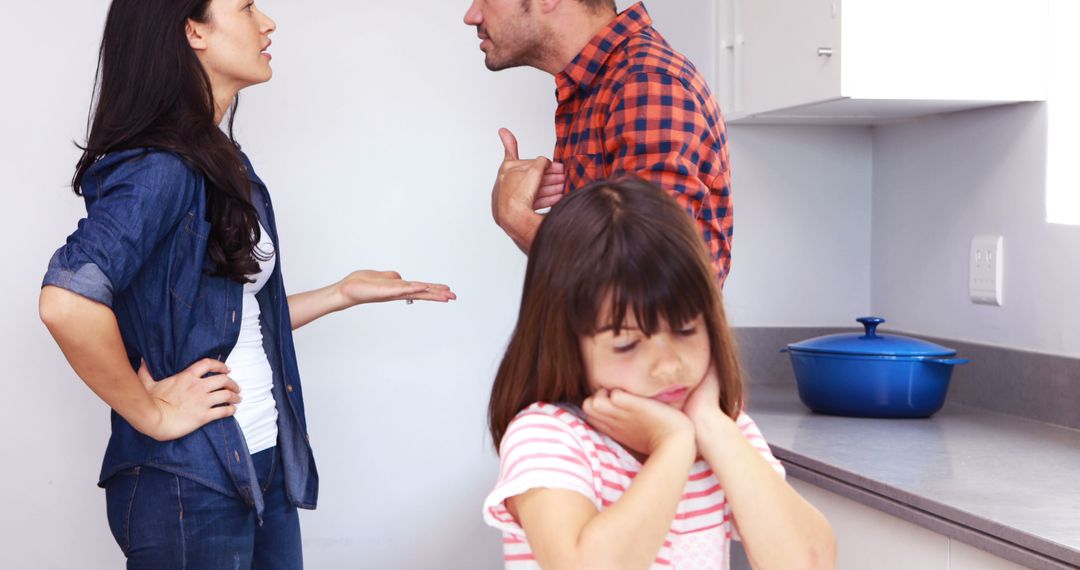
[(984, 282)]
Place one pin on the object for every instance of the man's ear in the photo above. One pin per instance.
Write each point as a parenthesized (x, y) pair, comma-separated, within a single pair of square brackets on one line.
[(194, 32)]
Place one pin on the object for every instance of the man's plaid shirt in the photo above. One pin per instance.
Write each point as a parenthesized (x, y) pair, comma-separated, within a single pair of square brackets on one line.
[(629, 103)]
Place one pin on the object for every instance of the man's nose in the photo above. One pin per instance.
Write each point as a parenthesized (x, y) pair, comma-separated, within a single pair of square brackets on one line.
[(473, 16)]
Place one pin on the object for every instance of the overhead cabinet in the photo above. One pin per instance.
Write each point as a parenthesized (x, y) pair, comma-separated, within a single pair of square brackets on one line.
[(873, 61)]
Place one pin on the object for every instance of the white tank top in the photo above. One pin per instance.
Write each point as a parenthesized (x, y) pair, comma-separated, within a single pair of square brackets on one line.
[(250, 368)]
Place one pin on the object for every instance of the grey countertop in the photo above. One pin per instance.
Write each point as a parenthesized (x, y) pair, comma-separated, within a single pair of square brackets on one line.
[(997, 481)]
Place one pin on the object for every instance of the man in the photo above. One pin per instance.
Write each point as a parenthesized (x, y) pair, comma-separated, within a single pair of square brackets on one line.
[(628, 103)]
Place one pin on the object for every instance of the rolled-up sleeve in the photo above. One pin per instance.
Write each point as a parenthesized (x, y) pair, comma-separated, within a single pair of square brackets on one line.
[(128, 216)]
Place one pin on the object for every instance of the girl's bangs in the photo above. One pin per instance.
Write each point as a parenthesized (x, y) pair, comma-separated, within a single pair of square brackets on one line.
[(672, 291)]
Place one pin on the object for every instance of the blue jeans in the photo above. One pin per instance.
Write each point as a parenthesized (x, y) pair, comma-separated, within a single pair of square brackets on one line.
[(164, 522)]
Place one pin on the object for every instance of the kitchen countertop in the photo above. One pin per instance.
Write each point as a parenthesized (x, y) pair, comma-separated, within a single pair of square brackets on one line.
[(1008, 485)]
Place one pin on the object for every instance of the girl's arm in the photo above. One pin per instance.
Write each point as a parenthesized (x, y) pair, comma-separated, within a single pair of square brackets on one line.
[(766, 510), (89, 336), (564, 528), (360, 287)]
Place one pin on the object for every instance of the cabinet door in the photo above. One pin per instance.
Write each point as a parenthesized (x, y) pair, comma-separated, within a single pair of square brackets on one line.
[(964, 557), (783, 60), (724, 89), (867, 538)]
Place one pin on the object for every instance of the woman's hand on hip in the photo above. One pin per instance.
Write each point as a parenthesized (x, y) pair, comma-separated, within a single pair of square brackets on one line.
[(187, 401), (367, 286)]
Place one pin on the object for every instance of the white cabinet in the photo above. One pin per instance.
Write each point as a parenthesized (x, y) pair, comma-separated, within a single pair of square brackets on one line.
[(964, 557), (868, 538), (871, 61)]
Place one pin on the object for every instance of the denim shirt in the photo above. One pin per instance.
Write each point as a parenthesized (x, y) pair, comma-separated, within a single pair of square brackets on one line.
[(141, 250)]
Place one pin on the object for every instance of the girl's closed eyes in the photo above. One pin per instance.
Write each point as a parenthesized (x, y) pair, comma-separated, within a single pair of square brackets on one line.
[(648, 364)]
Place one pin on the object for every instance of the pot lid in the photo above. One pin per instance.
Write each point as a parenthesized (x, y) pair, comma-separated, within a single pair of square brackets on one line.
[(871, 343)]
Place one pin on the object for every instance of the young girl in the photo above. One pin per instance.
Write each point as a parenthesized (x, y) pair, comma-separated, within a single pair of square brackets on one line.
[(617, 408), (168, 299)]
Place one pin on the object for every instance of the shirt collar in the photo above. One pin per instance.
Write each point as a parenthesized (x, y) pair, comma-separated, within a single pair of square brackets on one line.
[(581, 72), (250, 171)]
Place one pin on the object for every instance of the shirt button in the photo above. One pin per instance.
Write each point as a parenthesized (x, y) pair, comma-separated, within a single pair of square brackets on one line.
[(234, 316), (236, 454), (288, 387)]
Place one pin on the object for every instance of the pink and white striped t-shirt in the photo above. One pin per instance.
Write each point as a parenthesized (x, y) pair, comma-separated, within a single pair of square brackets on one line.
[(552, 447)]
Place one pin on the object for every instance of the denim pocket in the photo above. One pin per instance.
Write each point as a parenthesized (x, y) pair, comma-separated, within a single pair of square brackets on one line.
[(119, 497), (189, 253)]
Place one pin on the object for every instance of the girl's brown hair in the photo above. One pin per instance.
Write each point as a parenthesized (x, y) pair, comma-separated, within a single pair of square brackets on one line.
[(625, 238)]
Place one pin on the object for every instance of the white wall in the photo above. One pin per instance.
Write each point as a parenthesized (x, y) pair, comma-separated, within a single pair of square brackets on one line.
[(1063, 179), (384, 159), (801, 252), (938, 181), (53, 430), (378, 140)]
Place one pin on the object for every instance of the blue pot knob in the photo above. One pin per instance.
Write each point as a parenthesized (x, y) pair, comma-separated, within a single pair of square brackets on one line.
[(871, 325)]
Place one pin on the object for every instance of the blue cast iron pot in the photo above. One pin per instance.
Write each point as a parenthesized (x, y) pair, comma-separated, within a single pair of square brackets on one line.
[(872, 375)]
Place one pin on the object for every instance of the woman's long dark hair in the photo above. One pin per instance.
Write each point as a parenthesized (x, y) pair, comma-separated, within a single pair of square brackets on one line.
[(625, 240), (152, 91)]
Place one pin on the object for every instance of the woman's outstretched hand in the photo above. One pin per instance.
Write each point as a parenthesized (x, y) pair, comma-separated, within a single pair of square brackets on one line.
[(367, 286), (187, 401), (359, 287)]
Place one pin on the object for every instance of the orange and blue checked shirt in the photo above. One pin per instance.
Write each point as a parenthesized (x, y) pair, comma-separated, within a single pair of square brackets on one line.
[(629, 103)]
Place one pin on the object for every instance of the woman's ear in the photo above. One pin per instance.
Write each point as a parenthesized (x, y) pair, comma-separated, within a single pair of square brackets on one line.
[(195, 34)]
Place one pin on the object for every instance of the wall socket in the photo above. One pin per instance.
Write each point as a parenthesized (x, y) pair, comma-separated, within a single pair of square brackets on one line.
[(985, 264)]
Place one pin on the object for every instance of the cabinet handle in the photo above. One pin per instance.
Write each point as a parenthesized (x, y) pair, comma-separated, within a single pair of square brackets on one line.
[(825, 51)]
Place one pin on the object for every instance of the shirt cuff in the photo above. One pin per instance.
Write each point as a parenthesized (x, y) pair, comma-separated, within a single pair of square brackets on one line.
[(497, 516), (88, 280)]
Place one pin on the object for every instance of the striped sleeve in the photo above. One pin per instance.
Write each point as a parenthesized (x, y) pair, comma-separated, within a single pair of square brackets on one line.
[(538, 451), (752, 434)]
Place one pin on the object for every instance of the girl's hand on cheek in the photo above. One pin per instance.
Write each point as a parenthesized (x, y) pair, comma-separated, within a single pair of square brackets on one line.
[(639, 424), (705, 399)]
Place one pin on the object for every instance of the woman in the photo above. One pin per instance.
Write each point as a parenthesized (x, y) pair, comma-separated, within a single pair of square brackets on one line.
[(168, 299)]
